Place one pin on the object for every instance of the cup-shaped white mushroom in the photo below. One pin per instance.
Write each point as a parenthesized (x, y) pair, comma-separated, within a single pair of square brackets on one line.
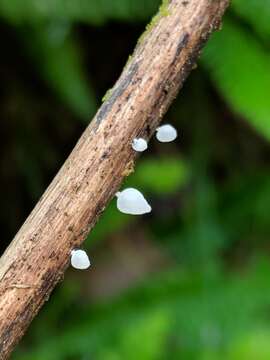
[(79, 259), (131, 201), (139, 144), (166, 133)]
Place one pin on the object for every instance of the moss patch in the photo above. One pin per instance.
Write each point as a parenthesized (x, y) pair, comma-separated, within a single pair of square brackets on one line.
[(163, 11), (107, 95), (128, 61)]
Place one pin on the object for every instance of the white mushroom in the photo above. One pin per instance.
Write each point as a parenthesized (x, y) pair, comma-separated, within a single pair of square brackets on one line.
[(166, 133), (132, 201), (79, 259), (139, 144)]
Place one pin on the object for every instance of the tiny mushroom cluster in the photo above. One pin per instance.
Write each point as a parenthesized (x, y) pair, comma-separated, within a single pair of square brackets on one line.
[(129, 201)]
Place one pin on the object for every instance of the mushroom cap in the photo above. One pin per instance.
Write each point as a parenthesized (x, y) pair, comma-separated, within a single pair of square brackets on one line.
[(79, 259), (131, 201), (139, 144), (166, 133)]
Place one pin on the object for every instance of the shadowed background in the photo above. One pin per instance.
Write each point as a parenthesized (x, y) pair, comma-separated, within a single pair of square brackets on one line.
[(190, 280)]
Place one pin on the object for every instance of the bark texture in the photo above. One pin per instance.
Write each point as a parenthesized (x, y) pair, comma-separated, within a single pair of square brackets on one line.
[(39, 254)]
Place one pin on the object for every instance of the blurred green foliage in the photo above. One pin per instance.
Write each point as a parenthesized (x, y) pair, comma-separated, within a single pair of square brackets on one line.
[(191, 280), (243, 78), (95, 12)]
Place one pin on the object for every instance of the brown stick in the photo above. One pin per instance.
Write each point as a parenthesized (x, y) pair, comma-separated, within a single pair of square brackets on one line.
[(39, 254)]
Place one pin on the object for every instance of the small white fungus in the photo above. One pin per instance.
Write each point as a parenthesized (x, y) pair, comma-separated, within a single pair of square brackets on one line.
[(79, 259), (131, 201), (166, 133), (139, 144)]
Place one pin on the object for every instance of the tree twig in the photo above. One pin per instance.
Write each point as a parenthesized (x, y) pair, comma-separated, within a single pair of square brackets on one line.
[(40, 252)]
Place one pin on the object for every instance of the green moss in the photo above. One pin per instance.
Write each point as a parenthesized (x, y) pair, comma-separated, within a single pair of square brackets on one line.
[(128, 61), (162, 11), (107, 95)]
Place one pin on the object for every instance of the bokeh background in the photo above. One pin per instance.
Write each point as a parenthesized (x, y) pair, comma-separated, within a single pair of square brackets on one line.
[(192, 279)]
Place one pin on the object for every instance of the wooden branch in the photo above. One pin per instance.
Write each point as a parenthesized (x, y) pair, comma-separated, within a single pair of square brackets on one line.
[(39, 254)]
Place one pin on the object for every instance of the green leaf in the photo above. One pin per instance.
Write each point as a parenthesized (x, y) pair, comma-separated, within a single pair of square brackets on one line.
[(239, 67), (57, 57), (160, 175), (94, 11), (249, 10), (153, 326), (254, 345)]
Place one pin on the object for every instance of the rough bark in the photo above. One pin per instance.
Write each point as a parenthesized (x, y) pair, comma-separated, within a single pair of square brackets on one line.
[(39, 254)]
